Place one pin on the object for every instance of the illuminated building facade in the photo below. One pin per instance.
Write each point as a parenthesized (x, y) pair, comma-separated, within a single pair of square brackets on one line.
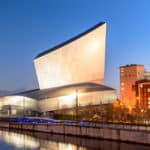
[(71, 74), (78, 60), (18, 105), (143, 93), (129, 74), (132, 78)]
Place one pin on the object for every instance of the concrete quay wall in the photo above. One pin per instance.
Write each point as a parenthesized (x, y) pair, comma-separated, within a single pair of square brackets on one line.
[(121, 134)]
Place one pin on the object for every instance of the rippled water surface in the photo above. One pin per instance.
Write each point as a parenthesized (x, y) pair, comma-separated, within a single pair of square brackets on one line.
[(13, 140)]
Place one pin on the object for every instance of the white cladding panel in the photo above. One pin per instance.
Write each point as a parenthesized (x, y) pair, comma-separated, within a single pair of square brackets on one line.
[(81, 60), (20, 101), (84, 99)]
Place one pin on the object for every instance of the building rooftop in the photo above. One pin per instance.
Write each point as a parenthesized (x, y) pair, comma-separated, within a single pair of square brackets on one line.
[(64, 90), (130, 65), (143, 80), (69, 41)]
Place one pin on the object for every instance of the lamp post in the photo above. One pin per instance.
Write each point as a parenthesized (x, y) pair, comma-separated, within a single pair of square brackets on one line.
[(76, 104), (23, 106), (9, 111)]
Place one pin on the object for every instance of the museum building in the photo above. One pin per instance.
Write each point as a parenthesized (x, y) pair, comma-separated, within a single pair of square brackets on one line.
[(69, 75)]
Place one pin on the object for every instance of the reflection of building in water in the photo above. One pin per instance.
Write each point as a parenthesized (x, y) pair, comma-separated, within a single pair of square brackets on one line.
[(68, 74), (63, 146), (46, 141), (46, 145), (19, 140)]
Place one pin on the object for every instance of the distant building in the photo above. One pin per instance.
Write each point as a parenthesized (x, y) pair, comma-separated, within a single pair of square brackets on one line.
[(147, 75), (131, 76)]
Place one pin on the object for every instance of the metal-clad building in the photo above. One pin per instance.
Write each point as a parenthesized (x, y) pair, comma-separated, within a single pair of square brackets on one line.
[(69, 74)]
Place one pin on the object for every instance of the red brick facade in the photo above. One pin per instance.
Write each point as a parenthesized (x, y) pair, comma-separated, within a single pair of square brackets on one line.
[(129, 74), (143, 93)]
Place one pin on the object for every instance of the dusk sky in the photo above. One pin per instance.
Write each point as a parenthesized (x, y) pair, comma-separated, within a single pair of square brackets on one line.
[(28, 27)]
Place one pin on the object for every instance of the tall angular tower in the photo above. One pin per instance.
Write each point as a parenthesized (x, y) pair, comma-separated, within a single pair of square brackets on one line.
[(80, 59)]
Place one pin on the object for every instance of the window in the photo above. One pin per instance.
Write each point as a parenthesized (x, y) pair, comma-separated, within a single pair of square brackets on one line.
[(122, 83), (122, 70), (148, 90), (122, 89), (122, 74), (141, 85)]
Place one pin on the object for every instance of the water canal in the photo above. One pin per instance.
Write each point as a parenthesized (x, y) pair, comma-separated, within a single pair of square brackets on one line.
[(14, 140)]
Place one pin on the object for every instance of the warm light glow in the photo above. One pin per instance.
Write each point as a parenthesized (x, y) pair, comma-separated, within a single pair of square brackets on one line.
[(95, 44), (68, 100), (63, 146), (18, 101), (130, 108), (14, 100), (19, 140)]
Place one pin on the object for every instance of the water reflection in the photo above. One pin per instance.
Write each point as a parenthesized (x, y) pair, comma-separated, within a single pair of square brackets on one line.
[(42, 141), (19, 140)]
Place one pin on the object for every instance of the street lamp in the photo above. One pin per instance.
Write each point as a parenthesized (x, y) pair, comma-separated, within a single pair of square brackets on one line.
[(76, 104), (23, 106)]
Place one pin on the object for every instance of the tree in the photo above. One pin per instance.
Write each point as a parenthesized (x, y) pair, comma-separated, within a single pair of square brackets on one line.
[(109, 112), (102, 111)]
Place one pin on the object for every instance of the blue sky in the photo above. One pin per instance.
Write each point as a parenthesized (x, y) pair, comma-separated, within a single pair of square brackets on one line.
[(28, 27)]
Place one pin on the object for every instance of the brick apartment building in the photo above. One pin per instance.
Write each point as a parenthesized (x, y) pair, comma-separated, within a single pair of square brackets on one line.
[(133, 77)]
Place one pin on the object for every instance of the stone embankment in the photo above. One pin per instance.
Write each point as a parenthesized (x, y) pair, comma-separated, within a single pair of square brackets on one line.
[(127, 133)]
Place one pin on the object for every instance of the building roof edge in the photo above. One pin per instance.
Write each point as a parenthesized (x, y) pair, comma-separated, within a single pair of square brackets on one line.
[(69, 41)]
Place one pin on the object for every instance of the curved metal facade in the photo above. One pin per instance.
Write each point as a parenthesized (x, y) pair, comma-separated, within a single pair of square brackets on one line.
[(16, 105)]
